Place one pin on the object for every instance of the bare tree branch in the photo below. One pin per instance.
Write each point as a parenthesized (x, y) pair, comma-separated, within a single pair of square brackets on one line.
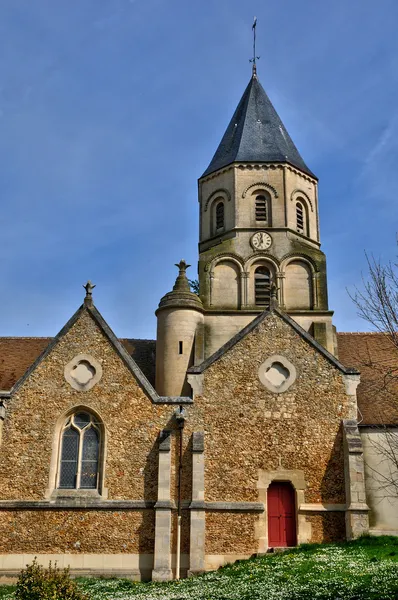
[(377, 304)]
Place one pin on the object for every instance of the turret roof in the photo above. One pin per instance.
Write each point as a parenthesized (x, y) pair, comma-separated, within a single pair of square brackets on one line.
[(256, 134)]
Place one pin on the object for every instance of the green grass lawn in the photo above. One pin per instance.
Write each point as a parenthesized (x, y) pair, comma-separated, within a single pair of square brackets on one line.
[(361, 570)]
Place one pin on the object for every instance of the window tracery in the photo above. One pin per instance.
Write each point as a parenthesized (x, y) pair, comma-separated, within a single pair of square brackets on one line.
[(79, 453)]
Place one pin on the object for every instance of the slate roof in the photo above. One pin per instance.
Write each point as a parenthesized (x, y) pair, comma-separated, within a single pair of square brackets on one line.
[(376, 358), (256, 134), (17, 354)]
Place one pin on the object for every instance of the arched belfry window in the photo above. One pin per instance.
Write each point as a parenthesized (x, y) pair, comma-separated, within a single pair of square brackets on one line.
[(261, 208), (220, 216), (262, 286), (79, 452), (301, 218)]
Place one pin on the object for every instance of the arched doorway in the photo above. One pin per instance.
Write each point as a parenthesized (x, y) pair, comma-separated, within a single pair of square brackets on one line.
[(281, 505)]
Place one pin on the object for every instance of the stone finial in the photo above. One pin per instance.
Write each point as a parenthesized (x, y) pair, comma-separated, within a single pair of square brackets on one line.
[(88, 300), (182, 283), (274, 297), (181, 295)]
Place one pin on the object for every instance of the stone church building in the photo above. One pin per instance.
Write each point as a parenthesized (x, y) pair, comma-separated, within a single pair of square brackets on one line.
[(244, 427)]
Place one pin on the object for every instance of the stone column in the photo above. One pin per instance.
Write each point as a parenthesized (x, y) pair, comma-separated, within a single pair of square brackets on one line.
[(315, 279), (197, 516), (162, 556), (2, 417), (244, 291), (211, 277), (357, 511), (280, 284)]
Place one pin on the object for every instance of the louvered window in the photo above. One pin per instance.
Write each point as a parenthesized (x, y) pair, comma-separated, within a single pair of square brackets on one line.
[(300, 222), (261, 208), (79, 460), (220, 216), (262, 286)]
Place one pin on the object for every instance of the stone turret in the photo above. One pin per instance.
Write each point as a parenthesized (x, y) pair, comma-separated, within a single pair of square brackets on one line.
[(179, 342)]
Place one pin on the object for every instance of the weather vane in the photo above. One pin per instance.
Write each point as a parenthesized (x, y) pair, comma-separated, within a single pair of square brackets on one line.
[(253, 60)]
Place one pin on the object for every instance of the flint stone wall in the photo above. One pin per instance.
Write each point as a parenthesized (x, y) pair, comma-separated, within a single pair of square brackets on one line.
[(250, 430)]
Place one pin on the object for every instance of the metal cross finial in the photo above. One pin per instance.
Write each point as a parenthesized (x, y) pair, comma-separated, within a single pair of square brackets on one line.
[(253, 60), (89, 289)]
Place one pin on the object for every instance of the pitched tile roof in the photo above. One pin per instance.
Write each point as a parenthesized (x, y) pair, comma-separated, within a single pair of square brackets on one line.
[(256, 134), (144, 354), (17, 354), (374, 355), (371, 353)]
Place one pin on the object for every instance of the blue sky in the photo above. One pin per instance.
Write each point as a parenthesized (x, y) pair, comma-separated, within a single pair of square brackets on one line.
[(111, 110)]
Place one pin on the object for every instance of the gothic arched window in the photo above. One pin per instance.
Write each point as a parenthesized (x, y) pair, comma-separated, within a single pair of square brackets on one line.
[(220, 216), (261, 208), (301, 218), (262, 286), (79, 453)]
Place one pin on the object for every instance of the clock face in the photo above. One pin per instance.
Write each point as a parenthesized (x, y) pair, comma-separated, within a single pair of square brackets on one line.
[(261, 240)]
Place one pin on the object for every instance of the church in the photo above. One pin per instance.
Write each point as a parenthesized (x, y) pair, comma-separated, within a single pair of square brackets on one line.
[(247, 425)]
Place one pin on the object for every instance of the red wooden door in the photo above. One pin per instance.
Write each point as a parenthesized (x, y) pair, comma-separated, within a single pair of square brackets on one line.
[(281, 515)]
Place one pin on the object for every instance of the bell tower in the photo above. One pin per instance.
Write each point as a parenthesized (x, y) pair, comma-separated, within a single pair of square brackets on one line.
[(259, 228)]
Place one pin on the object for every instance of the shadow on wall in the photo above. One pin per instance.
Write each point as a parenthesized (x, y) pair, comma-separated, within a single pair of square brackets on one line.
[(186, 495), (186, 498), (146, 530), (330, 526), (333, 482)]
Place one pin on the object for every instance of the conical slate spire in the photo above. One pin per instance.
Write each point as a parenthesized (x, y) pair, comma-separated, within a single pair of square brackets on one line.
[(256, 134)]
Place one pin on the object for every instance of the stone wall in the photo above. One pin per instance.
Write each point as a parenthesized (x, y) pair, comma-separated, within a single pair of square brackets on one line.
[(239, 533), (76, 531), (251, 432), (246, 436), (327, 527), (29, 459), (35, 412), (380, 444)]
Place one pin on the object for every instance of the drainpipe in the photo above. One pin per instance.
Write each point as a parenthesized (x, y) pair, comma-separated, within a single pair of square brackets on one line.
[(180, 418)]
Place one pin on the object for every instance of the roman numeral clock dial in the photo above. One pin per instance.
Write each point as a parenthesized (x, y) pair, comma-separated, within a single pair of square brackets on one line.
[(261, 240)]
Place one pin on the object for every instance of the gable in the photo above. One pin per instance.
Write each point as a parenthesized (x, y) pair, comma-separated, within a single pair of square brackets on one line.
[(275, 354), (271, 319), (83, 336), (252, 426), (84, 368)]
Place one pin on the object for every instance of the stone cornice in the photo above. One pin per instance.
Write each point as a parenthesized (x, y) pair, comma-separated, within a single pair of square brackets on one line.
[(259, 167)]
